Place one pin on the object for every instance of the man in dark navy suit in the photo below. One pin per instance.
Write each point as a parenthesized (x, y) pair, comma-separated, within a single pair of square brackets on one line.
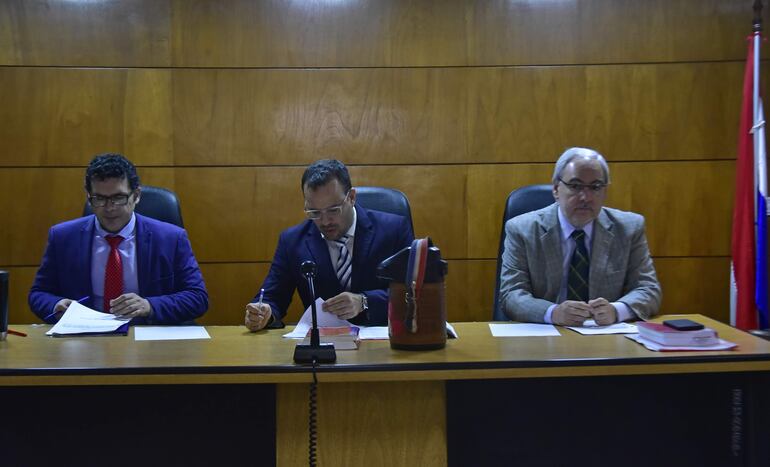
[(117, 261), (346, 242)]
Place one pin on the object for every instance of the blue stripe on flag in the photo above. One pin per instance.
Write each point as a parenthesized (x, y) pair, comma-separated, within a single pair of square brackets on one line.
[(761, 283)]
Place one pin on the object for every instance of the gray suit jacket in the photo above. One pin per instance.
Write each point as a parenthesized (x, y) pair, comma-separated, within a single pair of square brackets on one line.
[(532, 269)]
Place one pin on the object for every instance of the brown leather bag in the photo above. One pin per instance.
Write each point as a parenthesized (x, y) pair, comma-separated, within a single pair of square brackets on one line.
[(416, 313)]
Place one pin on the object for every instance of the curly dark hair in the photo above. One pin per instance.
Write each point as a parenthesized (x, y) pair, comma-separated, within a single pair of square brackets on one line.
[(321, 172), (111, 165)]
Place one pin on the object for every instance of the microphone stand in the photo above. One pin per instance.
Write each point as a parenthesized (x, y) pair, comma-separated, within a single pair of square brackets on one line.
[(315, 351)]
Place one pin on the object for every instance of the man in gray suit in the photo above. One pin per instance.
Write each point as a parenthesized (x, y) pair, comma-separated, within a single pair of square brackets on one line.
[(575, 259)]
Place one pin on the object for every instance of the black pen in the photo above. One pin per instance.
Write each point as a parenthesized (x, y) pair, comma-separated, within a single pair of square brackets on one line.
[(53, 313)]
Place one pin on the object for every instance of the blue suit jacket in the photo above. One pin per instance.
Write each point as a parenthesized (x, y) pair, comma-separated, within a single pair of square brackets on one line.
[(168, 274), (378, 235)]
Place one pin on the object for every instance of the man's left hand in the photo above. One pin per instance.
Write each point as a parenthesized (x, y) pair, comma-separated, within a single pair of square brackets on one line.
[(130, 305), (604, 312), (346, 305)]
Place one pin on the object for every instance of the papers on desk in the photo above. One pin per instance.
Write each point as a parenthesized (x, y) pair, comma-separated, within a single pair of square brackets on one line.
[(79, 319), (590, 328), (169, 333), (330, 320), (325, 319), (381, 332), (523, 330), (651, 345)]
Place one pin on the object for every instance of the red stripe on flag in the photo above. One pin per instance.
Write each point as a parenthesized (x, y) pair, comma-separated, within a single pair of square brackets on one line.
[(743, 213)]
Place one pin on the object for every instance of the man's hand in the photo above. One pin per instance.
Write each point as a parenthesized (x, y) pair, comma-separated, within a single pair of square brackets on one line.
[(604, 312), (130, 305), (571, 313), (62, 305), (257, 316), (346, 305)]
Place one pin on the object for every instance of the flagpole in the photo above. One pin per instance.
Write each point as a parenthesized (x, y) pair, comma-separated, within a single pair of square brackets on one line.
[(757, 28)]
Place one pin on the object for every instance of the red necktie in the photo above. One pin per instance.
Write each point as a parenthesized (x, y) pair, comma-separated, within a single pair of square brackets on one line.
[(113, 273)]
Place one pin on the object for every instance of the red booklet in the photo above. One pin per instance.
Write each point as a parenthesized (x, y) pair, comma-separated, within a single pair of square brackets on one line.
[(343, 337), (665, 335)]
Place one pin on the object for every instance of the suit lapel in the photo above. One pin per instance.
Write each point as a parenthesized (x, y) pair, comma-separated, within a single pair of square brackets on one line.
[(319, 251), (143, 249), (85, 250), (551, 240), (364, 236), (602, 239)]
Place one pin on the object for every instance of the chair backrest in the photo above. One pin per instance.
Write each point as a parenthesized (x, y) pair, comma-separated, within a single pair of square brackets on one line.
[(385, 200), (522, 200), (158, 203)]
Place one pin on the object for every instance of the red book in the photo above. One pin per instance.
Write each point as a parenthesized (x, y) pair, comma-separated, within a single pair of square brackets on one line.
[(343, 337), (665, 335)]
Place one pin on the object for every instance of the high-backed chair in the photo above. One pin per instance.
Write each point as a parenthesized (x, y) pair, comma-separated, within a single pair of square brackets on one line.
[(385, 200), (522, 200), (158, 203)]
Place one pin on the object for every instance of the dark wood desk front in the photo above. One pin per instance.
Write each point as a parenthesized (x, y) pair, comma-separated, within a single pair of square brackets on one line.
[(370, 414)]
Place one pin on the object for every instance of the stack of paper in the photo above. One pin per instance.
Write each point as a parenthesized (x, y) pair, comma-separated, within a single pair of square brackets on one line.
[(81, 320)]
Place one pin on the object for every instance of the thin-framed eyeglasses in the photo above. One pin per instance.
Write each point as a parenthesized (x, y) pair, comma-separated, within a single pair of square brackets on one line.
[(335, 210), (578, 187), (99, 201)]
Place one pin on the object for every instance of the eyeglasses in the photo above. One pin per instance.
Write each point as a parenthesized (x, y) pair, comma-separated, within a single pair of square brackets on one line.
[(115, 200), (336, 210), (579, 187)]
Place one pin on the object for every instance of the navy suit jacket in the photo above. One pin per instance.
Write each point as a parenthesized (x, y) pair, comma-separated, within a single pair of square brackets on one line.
[(378, 235), (168, 274)]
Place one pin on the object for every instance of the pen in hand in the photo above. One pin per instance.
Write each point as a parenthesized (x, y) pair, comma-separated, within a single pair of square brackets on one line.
[(261, 296), (53, 313)]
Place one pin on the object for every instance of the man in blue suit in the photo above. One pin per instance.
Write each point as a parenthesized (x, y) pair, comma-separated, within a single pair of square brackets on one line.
[(116, 260), (346, 242)]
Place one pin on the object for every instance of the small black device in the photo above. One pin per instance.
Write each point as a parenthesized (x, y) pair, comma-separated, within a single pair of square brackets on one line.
[(683, 324)]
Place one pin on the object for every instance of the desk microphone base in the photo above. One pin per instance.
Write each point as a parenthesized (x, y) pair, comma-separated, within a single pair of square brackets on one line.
[(324, 353)]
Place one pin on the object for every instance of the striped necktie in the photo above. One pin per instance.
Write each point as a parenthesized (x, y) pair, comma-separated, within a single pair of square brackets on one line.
[(579, 266), (344, 262)]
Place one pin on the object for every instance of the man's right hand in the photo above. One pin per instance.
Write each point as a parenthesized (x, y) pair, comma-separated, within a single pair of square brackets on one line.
[(258, 316), (62, 305), (571, 313)]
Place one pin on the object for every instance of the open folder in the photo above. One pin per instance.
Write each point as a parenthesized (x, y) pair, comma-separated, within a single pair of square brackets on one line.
[(80, 320)]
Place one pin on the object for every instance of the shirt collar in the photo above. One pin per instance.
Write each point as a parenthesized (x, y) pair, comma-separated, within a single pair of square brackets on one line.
[(126, 232), (567, 228)]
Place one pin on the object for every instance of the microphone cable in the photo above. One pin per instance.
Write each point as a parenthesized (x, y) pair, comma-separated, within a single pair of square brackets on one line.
[(312, 433)]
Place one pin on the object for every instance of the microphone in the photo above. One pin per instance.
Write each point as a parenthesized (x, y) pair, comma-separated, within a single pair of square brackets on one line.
[(308, 269), (314, 352)]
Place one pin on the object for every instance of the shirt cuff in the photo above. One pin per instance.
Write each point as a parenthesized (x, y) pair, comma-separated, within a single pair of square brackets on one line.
[(624, 312), (548, 314)]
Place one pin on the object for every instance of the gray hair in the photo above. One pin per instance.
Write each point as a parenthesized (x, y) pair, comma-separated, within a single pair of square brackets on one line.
[(571, 154)]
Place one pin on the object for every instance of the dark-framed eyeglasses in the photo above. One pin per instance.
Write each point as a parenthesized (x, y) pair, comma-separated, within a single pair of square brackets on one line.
[(579, 187), (98, 201), (336, 210)]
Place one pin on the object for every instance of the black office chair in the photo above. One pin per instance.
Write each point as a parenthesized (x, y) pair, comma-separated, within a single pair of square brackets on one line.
[(385, 200), (522, 200), (158, 203)]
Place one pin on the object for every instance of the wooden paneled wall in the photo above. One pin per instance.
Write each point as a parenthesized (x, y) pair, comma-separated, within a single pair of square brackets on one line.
[(455, 103)]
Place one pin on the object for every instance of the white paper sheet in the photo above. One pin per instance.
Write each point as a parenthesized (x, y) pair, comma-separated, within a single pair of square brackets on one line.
[(79, 319), (325, 319), (523, 330), (590, 328), (381, 332), (373, 333), (169, 333), (650, 345)]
